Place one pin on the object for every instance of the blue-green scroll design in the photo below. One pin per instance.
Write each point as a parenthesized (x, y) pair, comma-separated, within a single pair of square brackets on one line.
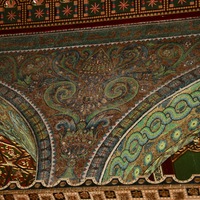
[(56, 96), (157, 124), (118, 92)]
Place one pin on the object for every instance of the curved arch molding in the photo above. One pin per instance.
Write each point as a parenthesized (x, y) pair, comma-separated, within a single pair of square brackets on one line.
[(141, 144), (39, 142)]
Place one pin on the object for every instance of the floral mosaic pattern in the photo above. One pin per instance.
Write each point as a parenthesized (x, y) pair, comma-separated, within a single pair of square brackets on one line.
[(134, 98), (46, 13)]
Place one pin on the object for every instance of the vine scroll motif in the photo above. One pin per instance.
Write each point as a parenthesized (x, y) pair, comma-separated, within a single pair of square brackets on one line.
[(84, 102), (99, 90), (57, 96)]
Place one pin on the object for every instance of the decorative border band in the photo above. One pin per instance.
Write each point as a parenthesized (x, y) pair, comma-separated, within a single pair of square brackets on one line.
[(18, 15)]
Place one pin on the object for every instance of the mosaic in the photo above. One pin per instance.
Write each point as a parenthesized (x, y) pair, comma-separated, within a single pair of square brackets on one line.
[(138, 154), (15, 14), (26, 137), (101, 108), (18, 162), (88, 190)]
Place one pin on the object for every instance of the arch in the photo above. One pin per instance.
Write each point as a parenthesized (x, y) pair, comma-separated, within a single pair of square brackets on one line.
[(39, 132), (146, 128), (167, 128)]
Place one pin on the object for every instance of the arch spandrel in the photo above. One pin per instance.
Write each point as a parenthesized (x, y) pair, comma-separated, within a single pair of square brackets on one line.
[(95, 93)]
